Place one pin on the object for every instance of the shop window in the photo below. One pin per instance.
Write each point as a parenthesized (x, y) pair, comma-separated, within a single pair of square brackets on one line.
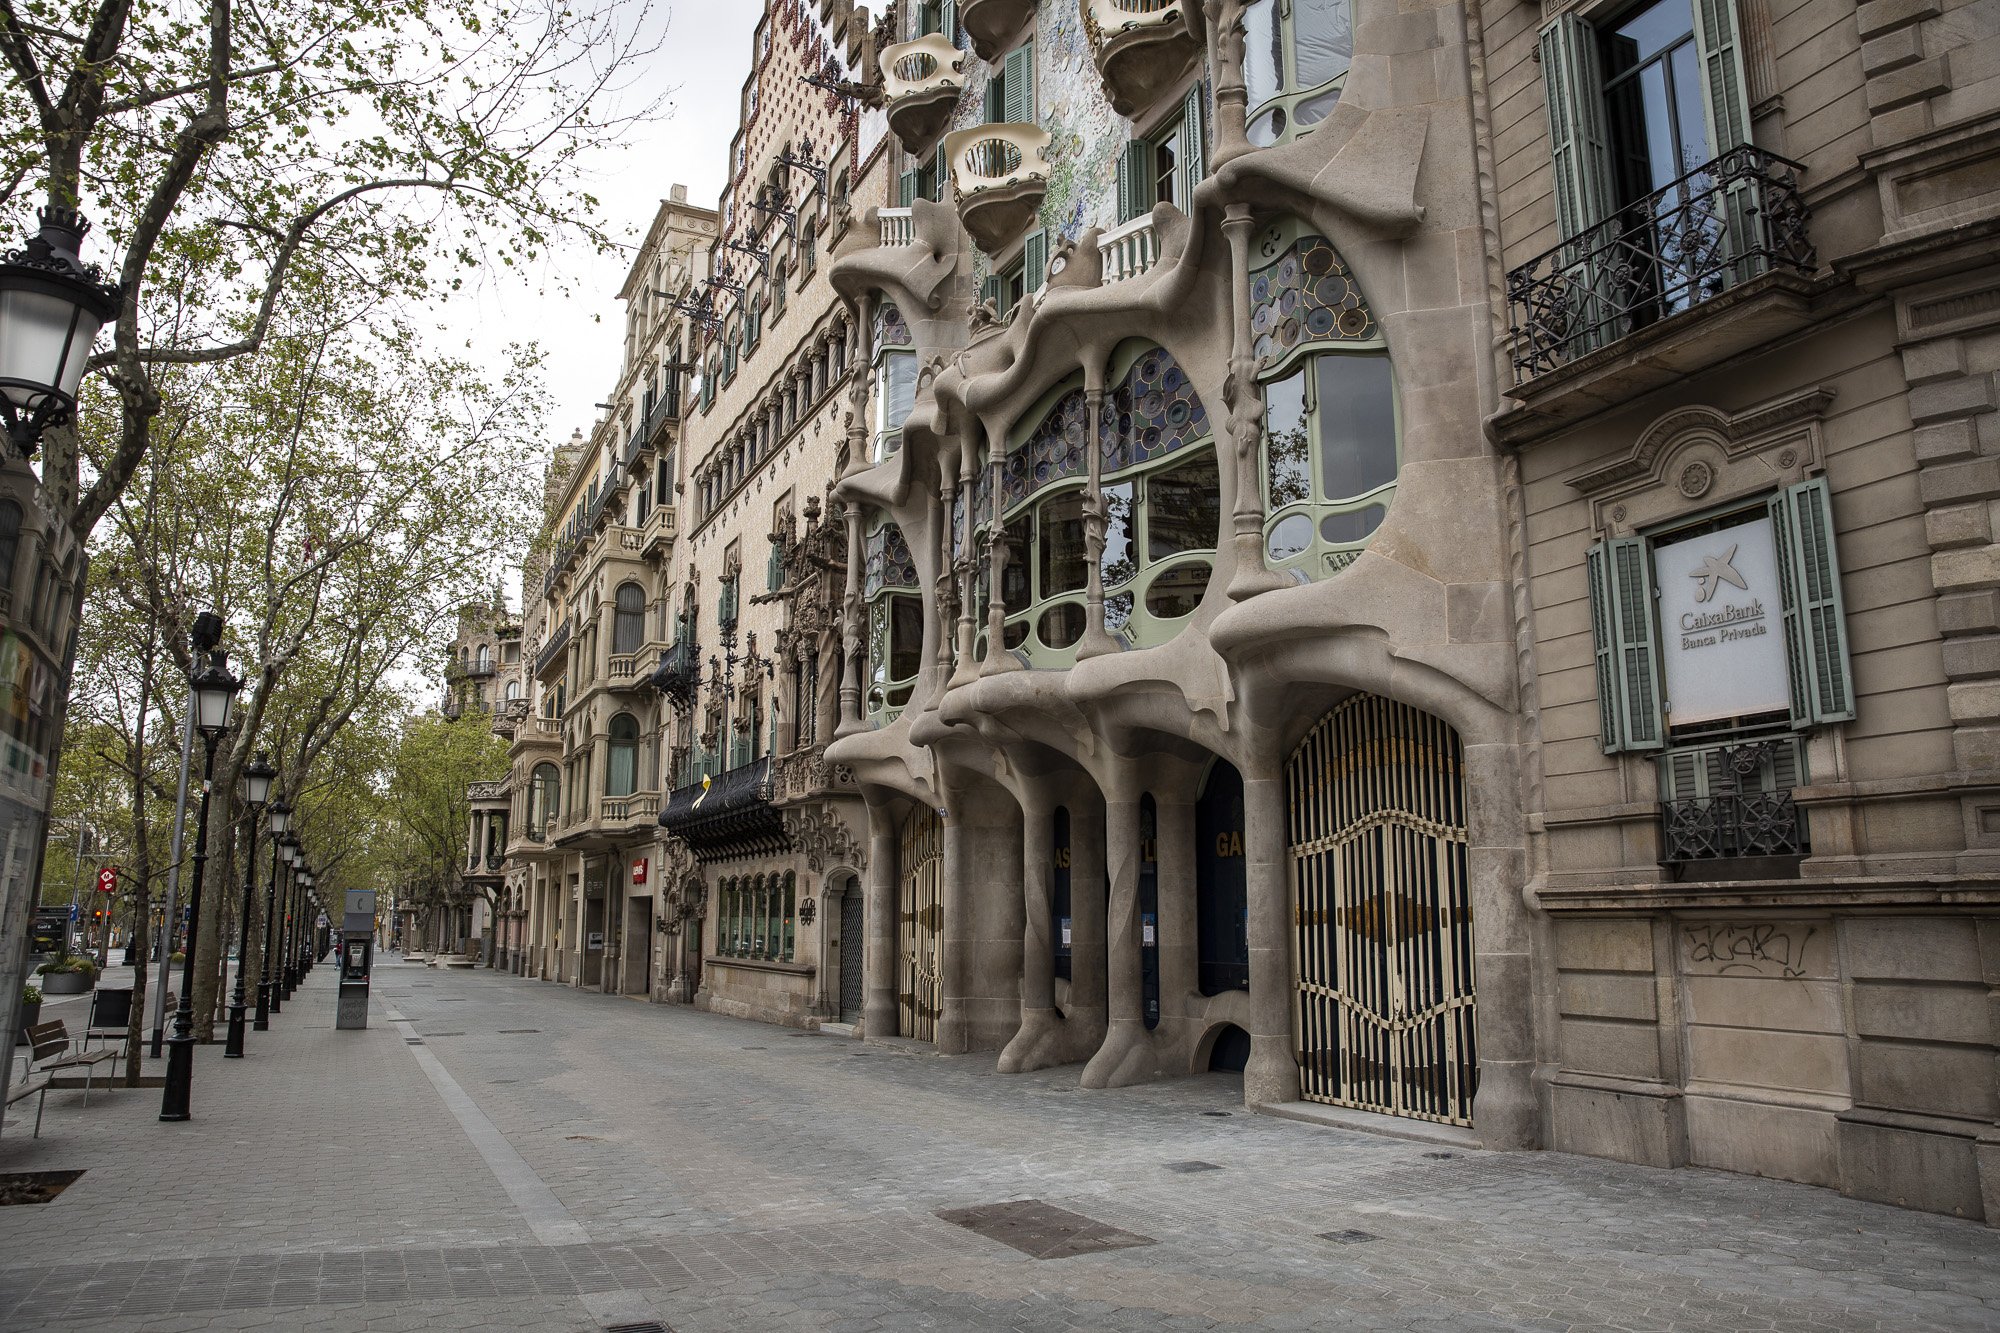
[(757, 917), (1295, 60)]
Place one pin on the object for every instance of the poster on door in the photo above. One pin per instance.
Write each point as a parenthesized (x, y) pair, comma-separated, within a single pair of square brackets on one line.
[(1722, 629)]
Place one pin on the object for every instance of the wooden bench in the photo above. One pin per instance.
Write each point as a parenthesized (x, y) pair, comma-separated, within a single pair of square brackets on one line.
[(28, 1087), (49, 1044)]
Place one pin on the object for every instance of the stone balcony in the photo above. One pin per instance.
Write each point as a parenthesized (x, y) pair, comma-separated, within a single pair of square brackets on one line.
[(616, 813), (921, 81), (656, 538), (1129, 250), (992, 25), (999, 175), (1143, 48), (898, 226)]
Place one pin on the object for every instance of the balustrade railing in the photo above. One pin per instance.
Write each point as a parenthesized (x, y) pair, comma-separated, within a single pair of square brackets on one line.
[(1129, 250), (898, 226)]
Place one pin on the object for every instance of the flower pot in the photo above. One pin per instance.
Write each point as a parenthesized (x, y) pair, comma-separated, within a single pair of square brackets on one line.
[(31, 1014), (65, 983)]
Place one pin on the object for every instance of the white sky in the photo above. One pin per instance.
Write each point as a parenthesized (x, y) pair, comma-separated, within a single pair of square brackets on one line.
[(700, 67)]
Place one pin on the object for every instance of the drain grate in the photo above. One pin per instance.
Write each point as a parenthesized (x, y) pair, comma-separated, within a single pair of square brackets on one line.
[(1042, 1230), (1219, 1115), (515, 1032), (1189, 1168), (649, 1326), (444, 1034), (413, 1041), (35, 1186), (1440, 1156), (752, 1048), (1348, 1237)]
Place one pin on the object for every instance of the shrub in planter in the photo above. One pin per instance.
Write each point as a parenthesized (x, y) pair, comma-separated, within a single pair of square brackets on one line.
[(68, 974)]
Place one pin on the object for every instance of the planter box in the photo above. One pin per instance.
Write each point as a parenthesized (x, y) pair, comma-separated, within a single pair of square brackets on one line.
[(31, 1014), (65, 983)]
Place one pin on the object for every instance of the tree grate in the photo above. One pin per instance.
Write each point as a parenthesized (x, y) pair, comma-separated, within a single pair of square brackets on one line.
[(35, 1186), (1042, 1230)]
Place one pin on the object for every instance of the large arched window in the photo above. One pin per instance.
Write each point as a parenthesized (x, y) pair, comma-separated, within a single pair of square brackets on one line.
[(628, 625), (544, 799), (513, 689), (621, 772), (485, 658), (1295, 58)]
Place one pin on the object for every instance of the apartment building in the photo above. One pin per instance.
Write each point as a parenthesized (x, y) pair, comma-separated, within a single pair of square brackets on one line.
[(1443, 559), (483, 679)]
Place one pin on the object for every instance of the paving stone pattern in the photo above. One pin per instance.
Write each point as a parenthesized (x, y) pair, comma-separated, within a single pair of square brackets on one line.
[(725, 1175)]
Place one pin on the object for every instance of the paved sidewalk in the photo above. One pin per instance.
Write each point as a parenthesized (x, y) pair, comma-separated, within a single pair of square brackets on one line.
[(498, 1153)]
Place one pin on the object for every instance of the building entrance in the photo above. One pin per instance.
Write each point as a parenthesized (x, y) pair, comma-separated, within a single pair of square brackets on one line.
[(920, 926), (1383, 913), (851, 926)]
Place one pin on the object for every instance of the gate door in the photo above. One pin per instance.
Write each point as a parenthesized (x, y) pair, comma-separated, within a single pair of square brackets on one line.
[(920, 926), (1383, 913), (851, 926)]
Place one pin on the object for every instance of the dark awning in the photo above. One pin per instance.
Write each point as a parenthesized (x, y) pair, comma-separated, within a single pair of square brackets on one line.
[(732, 815)]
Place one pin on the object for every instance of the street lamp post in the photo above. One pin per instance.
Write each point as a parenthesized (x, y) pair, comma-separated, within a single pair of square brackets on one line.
[(257, 777), (51, 307), (214, 696), (301, 880), (293, 856), (304, 929), (280, 817)]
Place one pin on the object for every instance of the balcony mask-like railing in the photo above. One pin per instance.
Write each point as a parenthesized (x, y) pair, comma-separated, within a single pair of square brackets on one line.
[(1129, 250), (1719, 226), (1143, 48), (921, 81), (1000, 174), (898, 226)]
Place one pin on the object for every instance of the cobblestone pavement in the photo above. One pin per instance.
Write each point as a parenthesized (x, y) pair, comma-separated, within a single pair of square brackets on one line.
[(497, 1153)]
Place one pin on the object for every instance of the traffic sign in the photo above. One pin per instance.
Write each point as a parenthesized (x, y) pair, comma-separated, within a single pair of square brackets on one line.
[(107, 879)]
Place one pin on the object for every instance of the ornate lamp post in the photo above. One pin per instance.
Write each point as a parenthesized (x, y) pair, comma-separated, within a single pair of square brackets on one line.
[(51, 307), (288, 852), (257, 778), (302, 954), (214, 697), (288, 951), (280, 819)]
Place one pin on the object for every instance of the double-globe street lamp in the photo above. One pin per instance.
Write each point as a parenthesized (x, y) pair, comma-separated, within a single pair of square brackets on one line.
[(280, 817), (214, 696), (257, 778)]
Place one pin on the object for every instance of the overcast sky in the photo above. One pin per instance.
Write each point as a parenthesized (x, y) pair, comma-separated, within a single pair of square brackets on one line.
[(700, 68)]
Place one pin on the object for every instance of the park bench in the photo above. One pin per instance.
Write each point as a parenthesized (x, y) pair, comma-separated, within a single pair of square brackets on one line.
[(50, 1051), (28, 1087)]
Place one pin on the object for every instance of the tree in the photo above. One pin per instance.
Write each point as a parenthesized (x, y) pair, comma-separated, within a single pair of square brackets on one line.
[(436, 760)]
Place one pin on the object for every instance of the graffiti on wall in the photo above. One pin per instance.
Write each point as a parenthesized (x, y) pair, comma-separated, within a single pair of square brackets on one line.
[(1749, 948)]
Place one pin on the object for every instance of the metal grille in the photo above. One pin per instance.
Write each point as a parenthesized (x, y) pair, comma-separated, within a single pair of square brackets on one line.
[(920, 925), (1383, 913)]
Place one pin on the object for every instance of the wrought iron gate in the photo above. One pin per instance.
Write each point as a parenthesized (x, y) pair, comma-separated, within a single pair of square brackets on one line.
[(920, 927), (1383, 913)]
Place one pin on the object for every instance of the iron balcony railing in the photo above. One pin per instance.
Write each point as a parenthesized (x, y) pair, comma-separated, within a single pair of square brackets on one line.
[(553, 648), (1709, 828), (1723, 223)]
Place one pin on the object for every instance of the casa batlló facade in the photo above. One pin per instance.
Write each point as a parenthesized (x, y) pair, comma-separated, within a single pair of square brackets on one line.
[(1439, 557)]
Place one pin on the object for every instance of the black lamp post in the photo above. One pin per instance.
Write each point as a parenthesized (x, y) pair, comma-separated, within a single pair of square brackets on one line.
[(294, 940), (280, 817), (306, 911), (214, 696), (257, 778), (51, 307)]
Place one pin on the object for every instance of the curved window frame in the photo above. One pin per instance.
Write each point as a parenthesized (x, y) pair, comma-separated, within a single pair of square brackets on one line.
[(628, 619), (544, 798), (621, 764), (1275, 22), (894, 608)]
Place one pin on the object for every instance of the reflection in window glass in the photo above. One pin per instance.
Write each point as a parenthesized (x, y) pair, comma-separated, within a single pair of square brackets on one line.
[(1291, 535), (1065, 562), (1120, 560), (1357, 425), (1290, 475), (1323, 40), (1014, 589), (898, 388), (1117, 611), (1352, 526), (1315, 109), (1016, 635), (1263, 51), (1177, 591), (1061, 625), (1183, 509), (906, 637), (1268, 128)]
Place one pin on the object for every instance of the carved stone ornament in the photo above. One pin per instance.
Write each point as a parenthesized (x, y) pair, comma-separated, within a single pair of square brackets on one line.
[(1696, 479), (824, 838)]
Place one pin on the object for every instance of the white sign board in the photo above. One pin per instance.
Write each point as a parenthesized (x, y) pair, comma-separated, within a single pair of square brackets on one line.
[(1722, 629)]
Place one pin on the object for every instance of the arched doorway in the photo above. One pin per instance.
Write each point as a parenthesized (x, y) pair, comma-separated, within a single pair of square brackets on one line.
[(920, 926), (1383, 912)]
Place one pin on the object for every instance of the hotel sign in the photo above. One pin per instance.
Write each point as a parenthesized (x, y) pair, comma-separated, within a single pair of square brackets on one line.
[(1722, 629)]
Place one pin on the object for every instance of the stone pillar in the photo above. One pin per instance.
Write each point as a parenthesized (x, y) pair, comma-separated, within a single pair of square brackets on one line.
[(878, 1006), (1272, 1074), (1126, 1055), (1030, 1047), (1180, 960)]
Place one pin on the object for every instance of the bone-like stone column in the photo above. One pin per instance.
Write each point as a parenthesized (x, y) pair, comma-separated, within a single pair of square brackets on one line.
[(1096, 522), (1040, 1023), (1272, 1074), (1127, 1053), (878, 1006)]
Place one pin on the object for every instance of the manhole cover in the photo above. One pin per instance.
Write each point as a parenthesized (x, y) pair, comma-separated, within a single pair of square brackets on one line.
[(1189, 1168), (35, 1186), (1348, 1237), (1042, 1230)]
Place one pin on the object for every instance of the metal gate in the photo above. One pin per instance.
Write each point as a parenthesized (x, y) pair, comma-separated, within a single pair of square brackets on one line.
[(851, 926), (1383, 912), (920, 926)]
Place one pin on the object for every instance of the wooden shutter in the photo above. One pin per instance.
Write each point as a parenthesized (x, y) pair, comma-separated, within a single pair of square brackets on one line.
[(1135, 178), (909, 187), (1019, 93), (995, 107), (1638, 648), (991, 290), (1604, 639), (1723, 85), (1578, 144), (948, 20), (1815, 617), (1193, 143), (1035, 260)]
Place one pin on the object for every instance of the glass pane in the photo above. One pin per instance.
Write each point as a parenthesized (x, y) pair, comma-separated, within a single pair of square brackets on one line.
[(1268, 128), (1313, 110), (1117, 611), (1065, 563), (1287, 459), (1014, 577), (1646, 34), (1177, 591), (1062, 625), (899, 389), (1690, 121), (906, 637), (1357, 425), (1322, 40), (1016, 635), (1183, 508), (1290, 535), (621, 772), (1263, 52), (1120, 559), (1352, 526)]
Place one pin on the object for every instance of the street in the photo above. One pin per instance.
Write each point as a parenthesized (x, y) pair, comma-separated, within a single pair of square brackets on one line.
[(498, 1153)]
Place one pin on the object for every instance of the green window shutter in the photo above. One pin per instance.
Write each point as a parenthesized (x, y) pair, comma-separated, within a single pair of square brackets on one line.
[(1135, 177), (1035, 260), (909, 187), (1723, 86), (1815, 617), (1020, 85), (1578, 144), (990, 290), (1628, 666), (1193, 142), (940, 175), (994, 109), (1684, 774), (948, 20)]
